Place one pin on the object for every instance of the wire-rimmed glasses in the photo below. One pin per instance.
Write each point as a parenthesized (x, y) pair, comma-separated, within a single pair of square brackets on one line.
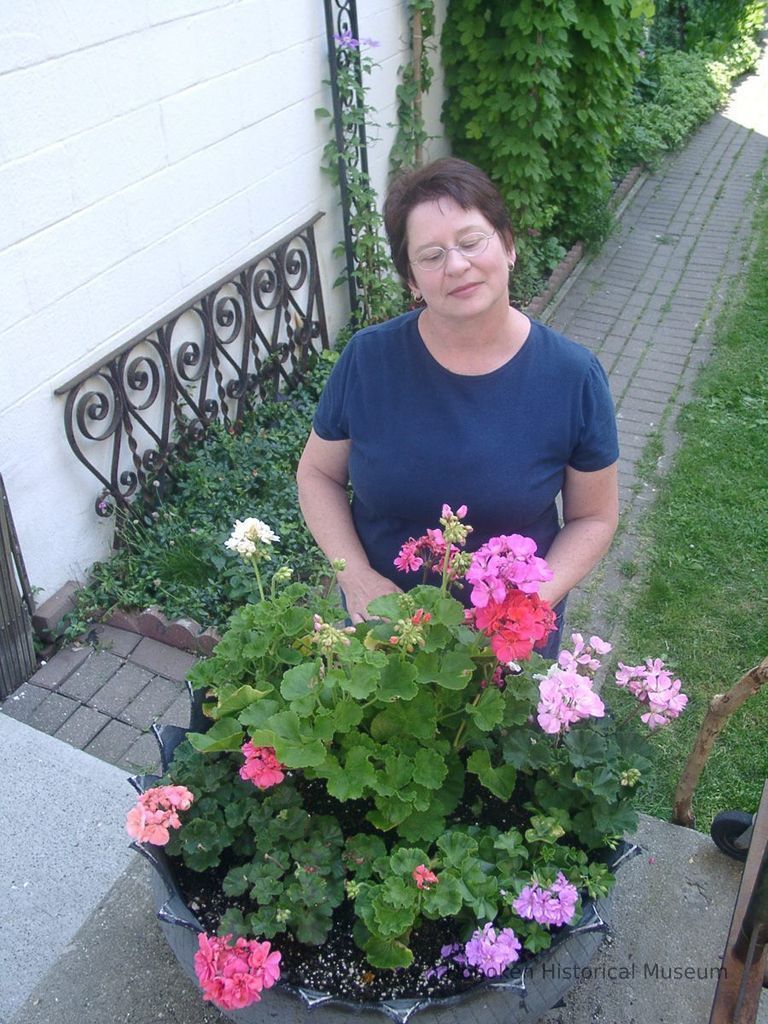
[(434, 257)]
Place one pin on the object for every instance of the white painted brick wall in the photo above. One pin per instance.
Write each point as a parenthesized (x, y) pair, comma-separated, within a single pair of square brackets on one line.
[(146, 149)]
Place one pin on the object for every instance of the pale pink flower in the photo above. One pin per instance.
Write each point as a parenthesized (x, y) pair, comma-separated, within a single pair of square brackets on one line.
[(261, 766), (583, 654), (566, 697), (652, 684)]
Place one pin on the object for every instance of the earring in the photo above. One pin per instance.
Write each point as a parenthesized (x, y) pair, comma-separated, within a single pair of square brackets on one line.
[(416, 296)]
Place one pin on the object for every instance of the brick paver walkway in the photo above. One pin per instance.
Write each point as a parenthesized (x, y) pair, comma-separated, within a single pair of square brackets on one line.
[(646, 305), (103, 697)]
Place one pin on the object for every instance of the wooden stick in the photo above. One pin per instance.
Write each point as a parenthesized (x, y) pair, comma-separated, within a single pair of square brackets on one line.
[(721, 707)]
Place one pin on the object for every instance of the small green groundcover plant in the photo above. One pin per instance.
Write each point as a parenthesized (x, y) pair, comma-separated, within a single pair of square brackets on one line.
[(424, 765)]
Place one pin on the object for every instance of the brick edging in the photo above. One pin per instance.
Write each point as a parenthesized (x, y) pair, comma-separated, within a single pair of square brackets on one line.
[(184, 634)]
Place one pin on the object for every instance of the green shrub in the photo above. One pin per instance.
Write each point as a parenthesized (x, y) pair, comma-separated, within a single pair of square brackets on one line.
[(172, 554)]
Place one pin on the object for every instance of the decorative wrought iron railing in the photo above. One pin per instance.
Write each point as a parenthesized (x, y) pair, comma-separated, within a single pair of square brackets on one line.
[(246, 337), (341, 20), (17, 651)]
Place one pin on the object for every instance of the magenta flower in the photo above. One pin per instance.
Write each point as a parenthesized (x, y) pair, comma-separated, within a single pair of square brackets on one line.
[(261, 766), (234, 976), (407, 559), (555, 905), (505, 563), (490, 952)]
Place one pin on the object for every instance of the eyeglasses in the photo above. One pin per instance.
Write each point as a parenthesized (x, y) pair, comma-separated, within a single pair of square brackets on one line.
[(470, 246)]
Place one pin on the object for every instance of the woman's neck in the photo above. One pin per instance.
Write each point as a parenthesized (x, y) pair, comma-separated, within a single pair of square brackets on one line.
[(474, 346)]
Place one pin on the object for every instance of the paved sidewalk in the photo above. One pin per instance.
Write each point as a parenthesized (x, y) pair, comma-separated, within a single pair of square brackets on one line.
[(104, 695), (646, 304)]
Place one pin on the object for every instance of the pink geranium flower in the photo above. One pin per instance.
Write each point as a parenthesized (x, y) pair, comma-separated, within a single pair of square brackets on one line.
[(234, 976), (156, 812), (423, 877), (566, 697), (504, 563), (653, 686), (261, 766), (554, 905), (492, 953), (582, 657)]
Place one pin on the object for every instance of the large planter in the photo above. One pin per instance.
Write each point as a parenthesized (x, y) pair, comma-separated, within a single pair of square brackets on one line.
[(522, 995)]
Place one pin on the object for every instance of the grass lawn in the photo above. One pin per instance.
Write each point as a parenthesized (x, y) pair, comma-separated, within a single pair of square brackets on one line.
[(701, 598)]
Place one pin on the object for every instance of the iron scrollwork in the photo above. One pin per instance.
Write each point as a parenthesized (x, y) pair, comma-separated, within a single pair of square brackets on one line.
[(247, 337)]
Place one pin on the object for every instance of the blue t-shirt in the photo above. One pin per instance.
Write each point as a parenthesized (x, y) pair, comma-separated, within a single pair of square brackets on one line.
[(498, 442)]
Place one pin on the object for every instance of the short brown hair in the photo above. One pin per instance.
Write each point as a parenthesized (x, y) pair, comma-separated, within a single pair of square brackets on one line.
[(450, 177)]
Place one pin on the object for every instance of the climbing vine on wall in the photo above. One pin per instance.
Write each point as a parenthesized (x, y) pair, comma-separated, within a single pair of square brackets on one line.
[(415, 80), (536, 90)]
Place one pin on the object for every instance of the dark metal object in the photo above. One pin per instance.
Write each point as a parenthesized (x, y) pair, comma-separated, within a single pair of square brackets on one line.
[(744, 962), (246, 337), (17, 651), (349, 138)]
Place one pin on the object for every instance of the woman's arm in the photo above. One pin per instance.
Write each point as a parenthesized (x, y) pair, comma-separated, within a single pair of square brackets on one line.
[(322, 478), (590, 515)]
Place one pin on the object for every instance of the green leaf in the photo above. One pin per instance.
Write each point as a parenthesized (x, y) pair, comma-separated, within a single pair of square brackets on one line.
[(443, 899), (586, 747), (398, 681), (386, 607), (387, 953), (257, 714), (299, 681), (600, 781), (405, 860), (456, 670), (226, 734), (235, 699), (346, 716), (362, 681), (457, 847), (500, 781), (293, 739), (429, 768), (489, 711)]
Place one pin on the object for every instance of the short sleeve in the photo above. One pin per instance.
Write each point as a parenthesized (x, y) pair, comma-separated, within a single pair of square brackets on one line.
[(598, 443), (331, 420)]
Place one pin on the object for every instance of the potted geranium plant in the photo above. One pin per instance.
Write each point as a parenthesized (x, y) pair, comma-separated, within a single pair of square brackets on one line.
[(422, 789)]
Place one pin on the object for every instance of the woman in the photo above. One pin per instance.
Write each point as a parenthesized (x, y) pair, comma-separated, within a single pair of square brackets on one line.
[(463, 401)]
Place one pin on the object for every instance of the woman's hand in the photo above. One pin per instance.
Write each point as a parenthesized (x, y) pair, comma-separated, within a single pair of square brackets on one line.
[(360, 587)]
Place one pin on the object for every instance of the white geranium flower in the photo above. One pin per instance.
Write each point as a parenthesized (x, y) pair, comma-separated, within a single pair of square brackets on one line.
[(248, 534)]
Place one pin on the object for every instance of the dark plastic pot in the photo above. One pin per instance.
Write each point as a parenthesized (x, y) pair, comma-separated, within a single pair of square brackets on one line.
[(519, 996)]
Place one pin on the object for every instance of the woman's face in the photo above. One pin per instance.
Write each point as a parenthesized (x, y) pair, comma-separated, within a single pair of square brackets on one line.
[(464, 286)]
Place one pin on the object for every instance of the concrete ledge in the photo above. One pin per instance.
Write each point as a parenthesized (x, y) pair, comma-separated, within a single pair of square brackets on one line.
[(62, 847)]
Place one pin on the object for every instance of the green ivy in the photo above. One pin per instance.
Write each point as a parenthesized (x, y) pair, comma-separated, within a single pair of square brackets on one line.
[(379, 294), (537, 92), (411, 131)]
